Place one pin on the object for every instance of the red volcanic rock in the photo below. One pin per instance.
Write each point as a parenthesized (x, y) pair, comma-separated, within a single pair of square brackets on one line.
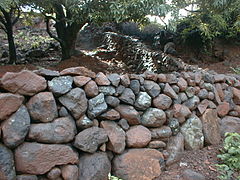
[(91, 89), (80, 81), (102, 80), (81, 71)]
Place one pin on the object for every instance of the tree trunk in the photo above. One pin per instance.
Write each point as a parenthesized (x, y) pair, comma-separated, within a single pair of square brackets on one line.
[(11, 45)]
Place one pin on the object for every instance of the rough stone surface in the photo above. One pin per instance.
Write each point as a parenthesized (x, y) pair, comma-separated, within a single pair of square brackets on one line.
[(157, 144), (189, 174), (80, 81), (54, 173), (94, 166), (192, 103), (175, 147), (42, 107), (102, 80), (138, 136), (138, 164), (24, 83), (60, 85), (211, 129), (129, 113), (202, 107), (170, 92), (75, 101), (61, 130), (152, 88), (135, 86), (90, 139), (181, 111), (110, 115), (124, 124), (127, 96), (15, 128), (84, 122), (27, 177), (192, 132), (182, 84), (91, 89), (125, 81), (7, 168), (112, 101), (153, 117), (114, 78), (70, 172), (46, 72), (96, 106), (41, 158), (9, 103), (107, 90), (229, 124), (162, 102), (116, 136), (162, 132), (223, 109), (143, 101), (81, 71)]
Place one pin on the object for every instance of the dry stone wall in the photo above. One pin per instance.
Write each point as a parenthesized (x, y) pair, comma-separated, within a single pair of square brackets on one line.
[(76, 124)]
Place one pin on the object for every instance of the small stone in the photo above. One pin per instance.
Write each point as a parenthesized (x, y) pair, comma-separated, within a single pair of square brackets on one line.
[(15, 129), (127, 96), (139, 164), (174, 125), (211, 129), (46, 72), (102, 80), (129, 113), (69, 172), (192, 103), (81, 71), (94, 166), (160, 133), (119, 90), (182, 84), (171, 78), (236, 95), (135, 86), (175, 148), (27, 177), (138, 136), (157, 144), (114, 78), (125, 81), (203, 94), (181, 111), (220, 91), (202, 107), (42, 107), (190, 91), (192, 132), (7, 168), (223, 109), (84, 122), (112, 101), (63, 112), (107, 90), (162, 78), (61, 130), (189, 174), (162, 102), (111, 115), (124, 124), (152, 88), (219, 78), (153, 117), (211, 96), (169, 91), (9, 103), (24, 83), (90, 139), (75, 101), (45, 157), (54, 173), (80, 81), (143, 101), (150, 76), (60, 85), (91, 89), (116, 136), (96, 106), (229, 124), (176, 88)]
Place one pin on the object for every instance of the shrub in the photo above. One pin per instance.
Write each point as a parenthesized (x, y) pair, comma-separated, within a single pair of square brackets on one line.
[(230, 156)]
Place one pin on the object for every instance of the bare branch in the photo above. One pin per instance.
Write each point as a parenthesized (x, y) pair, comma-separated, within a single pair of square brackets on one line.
[(17, 17), (50, 33)]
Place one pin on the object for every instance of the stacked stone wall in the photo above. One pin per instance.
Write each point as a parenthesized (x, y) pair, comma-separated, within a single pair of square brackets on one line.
[(76, 124)]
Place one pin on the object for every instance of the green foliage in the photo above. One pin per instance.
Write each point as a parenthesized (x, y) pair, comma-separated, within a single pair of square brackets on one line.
[(236, 70), (230, 155), (110, 177)]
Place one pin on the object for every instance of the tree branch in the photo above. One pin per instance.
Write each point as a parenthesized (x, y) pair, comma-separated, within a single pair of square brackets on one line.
[(50, 33), (2, 20), (15, 20), (3, 28)]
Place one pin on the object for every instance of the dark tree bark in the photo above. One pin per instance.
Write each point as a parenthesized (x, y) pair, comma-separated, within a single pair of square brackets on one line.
[(8, 19)]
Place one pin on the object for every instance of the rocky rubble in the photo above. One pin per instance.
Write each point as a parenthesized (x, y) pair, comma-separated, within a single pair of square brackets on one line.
[(76, 124)]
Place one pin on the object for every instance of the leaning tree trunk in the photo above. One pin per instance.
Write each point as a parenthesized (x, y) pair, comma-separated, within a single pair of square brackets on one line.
[(11, 45)]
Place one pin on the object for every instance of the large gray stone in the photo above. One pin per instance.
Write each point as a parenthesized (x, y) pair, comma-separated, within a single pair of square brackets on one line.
[(127, 96), (15, 128), (96, 106), (143, 101), (192, 103), (7, 168), (135, 86), (153, 117), (75, 101), (229, 124), (107, 90), (112, 101), (60, 85), (42, 107), (168, 90), (114, 78), (192, 131), (61, 130), (162, 102), (94, 166), (90, 139), (152, 88)]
